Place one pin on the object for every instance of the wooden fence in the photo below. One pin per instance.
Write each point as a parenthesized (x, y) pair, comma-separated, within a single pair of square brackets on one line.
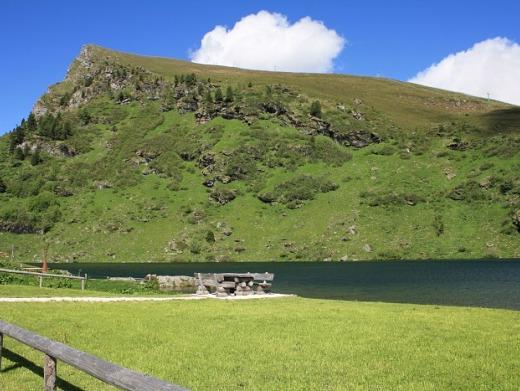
[(41, 276), (105, 371)]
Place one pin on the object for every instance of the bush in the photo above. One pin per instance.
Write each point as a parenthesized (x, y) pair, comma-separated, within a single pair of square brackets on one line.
[(295, 191), (438, 224), (315, 109), (229, 95), (385, 150), (391, 198), (219, 97), (468, 192), (36, 158)]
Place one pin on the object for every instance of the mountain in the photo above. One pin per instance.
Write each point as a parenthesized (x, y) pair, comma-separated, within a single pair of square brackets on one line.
[(134, 158)]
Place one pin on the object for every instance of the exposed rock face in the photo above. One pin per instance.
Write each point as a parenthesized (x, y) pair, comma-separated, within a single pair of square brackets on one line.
[(222, 196), (174, 283), (54, 149)]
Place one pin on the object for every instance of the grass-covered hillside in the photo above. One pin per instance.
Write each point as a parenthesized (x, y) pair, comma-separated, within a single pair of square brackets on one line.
[(136, 158)]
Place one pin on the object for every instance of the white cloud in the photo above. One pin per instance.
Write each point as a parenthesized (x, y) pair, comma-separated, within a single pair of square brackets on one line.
[(268, 41), (491, 66)]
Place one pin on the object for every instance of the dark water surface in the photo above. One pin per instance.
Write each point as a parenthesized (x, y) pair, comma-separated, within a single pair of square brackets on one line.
[(494, 283)]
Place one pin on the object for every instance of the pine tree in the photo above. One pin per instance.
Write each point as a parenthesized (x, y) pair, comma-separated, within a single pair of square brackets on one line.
[(191, 79), (208, 98), (315, 110), (218, 95), (16, 137), (18, 154), (229, 94), (35, 158), (66, 130), (32, 123)]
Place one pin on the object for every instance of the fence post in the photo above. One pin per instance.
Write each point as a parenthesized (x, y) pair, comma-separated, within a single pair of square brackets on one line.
[(49, 373), (41, 281), (1, 346)]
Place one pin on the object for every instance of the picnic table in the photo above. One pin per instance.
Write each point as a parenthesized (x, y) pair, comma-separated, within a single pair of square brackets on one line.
[(238, 284)]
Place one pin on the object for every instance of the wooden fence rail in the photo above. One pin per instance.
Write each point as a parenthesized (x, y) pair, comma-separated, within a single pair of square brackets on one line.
[(105, 371), (41, 276)]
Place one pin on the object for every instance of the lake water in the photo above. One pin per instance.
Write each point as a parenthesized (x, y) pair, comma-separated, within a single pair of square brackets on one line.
[(493, 283)]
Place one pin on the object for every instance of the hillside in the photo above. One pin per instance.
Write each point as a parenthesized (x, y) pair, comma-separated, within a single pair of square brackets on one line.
[(135, 158)]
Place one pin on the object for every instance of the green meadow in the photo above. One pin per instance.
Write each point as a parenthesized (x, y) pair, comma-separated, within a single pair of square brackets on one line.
[(278, 344)]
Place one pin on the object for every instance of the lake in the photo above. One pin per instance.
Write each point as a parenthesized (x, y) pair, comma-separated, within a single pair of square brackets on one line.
[(493, 283)]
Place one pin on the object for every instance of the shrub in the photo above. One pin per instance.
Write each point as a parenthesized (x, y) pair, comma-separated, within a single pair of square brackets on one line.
[(438, 224), (385, 150), (218, 96), (36, 158), (315, 109), (229, 94), (241, 163), (295, 191), (210, 237), (468, 191), (391, 198)]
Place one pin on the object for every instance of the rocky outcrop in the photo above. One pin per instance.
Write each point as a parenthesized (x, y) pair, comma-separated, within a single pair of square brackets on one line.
[(173, 283), (353, 138), (222, 196), (58, 149), (18, 227), (458, 145)]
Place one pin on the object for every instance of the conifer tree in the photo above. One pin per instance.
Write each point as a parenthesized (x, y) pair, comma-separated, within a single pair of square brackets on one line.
[(32, 124), (36, 158), (16, 137), (229, 94), (208, 98), (18, 154), (218, 95)]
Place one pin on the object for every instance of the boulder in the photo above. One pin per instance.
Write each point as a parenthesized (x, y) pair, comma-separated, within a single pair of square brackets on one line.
[(174, 283), (458, 145), (222, 196)]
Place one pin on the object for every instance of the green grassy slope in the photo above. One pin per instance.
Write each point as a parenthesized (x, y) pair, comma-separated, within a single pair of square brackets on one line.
[(435, 177)]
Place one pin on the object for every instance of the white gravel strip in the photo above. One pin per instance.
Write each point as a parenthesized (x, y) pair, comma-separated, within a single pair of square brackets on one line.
[(124, 299)]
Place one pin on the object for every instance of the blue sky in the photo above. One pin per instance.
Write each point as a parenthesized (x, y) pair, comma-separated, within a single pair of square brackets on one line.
[(396, 39)]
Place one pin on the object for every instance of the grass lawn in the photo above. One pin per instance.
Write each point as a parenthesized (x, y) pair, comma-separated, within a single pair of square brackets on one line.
[(282, 344), (34, 291), (28, 287)]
